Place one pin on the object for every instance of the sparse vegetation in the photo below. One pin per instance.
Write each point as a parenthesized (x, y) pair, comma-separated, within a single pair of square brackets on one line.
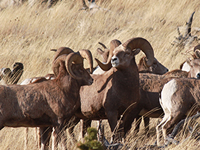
[(28, 33), (90, 141)]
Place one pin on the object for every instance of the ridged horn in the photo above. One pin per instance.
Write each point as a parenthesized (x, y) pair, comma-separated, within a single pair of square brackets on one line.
[(196, 51), (144, 45), (102, 45), (73, 58), (86, 54), (61, 51), (197, 47), (113, 44), (57, 63)]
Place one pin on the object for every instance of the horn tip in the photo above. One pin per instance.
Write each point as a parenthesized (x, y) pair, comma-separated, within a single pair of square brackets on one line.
[(53, 50)]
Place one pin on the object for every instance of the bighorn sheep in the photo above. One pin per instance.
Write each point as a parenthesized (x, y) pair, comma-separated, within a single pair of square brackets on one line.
[(185, 66), (178, 96), (156, 67), (151, 85), (59, 97), (117, 90), (120, 83), (86, 101), (104, 54), (11, 77)]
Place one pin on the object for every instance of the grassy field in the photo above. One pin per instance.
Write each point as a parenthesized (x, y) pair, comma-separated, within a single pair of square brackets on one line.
[(28, 33)]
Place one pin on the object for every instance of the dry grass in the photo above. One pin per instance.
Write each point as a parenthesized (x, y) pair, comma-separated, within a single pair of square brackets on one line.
[(28, 33)]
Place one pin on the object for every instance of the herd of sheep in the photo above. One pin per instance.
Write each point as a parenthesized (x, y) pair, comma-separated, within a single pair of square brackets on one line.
[(117, 88)]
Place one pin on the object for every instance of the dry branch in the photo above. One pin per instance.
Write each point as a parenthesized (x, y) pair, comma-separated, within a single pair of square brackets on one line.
[(186, 38), (171, 136)]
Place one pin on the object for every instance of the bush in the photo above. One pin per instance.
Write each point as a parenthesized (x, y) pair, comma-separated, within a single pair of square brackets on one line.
[(90, 141)]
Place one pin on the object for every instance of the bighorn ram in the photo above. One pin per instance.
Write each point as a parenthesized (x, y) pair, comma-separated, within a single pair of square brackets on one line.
[(105, 54), (113, 92), (102, 101), (151, 85), (117, 89), (59, 98), (156, 67), (178, 96), (11, 77)]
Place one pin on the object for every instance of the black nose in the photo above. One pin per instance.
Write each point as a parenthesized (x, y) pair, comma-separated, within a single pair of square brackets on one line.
[(114, 59), (167, 70), (198, 76)]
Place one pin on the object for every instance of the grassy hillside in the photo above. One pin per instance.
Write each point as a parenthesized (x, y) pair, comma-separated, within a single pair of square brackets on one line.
[(28, 33)]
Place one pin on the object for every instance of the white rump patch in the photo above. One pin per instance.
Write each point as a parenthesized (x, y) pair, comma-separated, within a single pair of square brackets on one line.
[(167, 92)]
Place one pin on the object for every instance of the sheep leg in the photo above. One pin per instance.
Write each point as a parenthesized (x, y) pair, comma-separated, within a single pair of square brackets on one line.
[(26, 139), (75, 121), (128, 119), (112, 120), (45, 135), (171, 121), (86, 124), (58, 133), (158, 130), (138, 121), (146, 125)]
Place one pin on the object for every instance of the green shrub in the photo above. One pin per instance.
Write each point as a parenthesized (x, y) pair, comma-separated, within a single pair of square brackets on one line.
[(90, 141)]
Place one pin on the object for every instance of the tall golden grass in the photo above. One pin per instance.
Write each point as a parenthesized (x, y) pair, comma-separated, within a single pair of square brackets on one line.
[(28, 33)]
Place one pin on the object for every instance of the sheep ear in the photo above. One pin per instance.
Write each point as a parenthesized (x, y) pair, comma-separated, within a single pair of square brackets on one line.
[(188, 61)]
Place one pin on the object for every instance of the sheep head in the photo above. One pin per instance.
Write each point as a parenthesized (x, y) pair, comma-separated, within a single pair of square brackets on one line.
[(194, 68), (121, 55), (156, 67), (5, 73), (73, 63), (16, 73), (105, 53)]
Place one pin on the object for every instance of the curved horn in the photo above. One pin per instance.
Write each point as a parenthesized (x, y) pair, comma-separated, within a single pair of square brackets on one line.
[(77, 59), (88, 56), (113, 44), (197, 47), (61, 51), (102, 45), (142, 44), (57, 63), (197, 53)]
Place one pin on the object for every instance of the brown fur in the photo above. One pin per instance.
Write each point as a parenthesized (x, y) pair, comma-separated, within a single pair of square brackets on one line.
[(156, 67), (182, 100), (115, 90), (150, 87), (43, 104)]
